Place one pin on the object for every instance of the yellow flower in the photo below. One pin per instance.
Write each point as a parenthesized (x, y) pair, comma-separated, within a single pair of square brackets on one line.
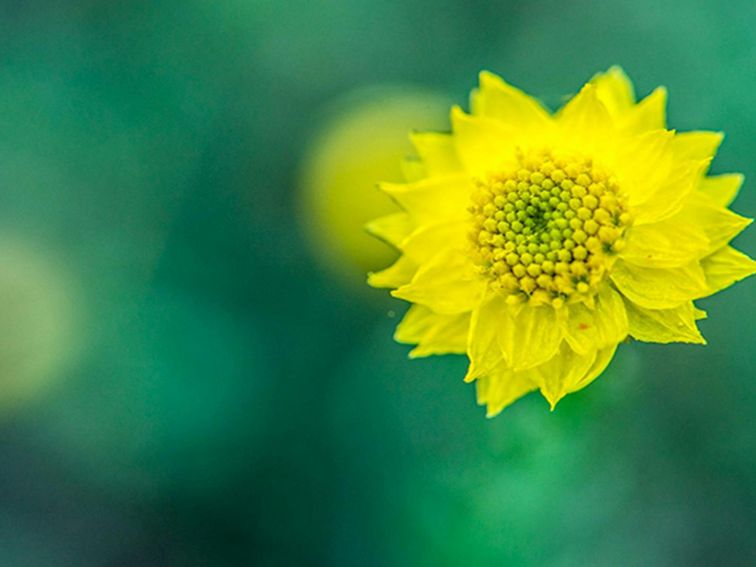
[(535, 242)]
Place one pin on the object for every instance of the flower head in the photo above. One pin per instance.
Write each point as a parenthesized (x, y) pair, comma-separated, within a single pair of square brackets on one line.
[(535, 242)]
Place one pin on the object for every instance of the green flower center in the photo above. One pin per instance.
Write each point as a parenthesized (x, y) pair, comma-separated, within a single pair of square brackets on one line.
[(548, 230)]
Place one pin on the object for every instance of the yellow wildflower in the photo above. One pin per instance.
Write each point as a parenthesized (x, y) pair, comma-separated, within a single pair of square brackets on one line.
[(535, 242)]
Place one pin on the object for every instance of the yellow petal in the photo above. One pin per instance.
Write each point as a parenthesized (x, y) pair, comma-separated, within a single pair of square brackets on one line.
[(399, 273), (524, 337), (432, 200), (648, 114), (579, 329), (447, 284), (676, 325), (590, 329), (725, 267), (719, 224), (425, 241), (482, 387), (722, 189), (482, 144), (614, 90), (643, 164), (610, 318), (432, 332), (668, 244), (584, 121), (437, 152), (413, 326), (392, 228), (529, 336), (656, 288), (501, 101), (603, 358), (672, 195), (501, 387), (562, 373), (448, 336), (697, 145), (483, 346)]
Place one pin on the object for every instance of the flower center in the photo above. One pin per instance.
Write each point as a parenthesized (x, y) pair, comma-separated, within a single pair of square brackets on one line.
[(548, 230)]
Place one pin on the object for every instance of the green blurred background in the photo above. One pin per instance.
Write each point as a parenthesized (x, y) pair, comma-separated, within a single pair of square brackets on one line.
[(184, 380)]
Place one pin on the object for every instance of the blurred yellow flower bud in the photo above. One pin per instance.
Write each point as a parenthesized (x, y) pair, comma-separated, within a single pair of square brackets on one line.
[(362, 142), (37, 330)]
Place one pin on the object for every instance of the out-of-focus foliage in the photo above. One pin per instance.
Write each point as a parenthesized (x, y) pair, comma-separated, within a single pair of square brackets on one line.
[(229, 403)]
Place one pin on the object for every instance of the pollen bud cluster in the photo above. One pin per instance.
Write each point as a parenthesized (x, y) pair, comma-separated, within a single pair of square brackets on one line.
[(548, 230)]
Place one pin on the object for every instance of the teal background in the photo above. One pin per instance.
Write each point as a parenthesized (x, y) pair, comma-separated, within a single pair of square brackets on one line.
[(230, 403)]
